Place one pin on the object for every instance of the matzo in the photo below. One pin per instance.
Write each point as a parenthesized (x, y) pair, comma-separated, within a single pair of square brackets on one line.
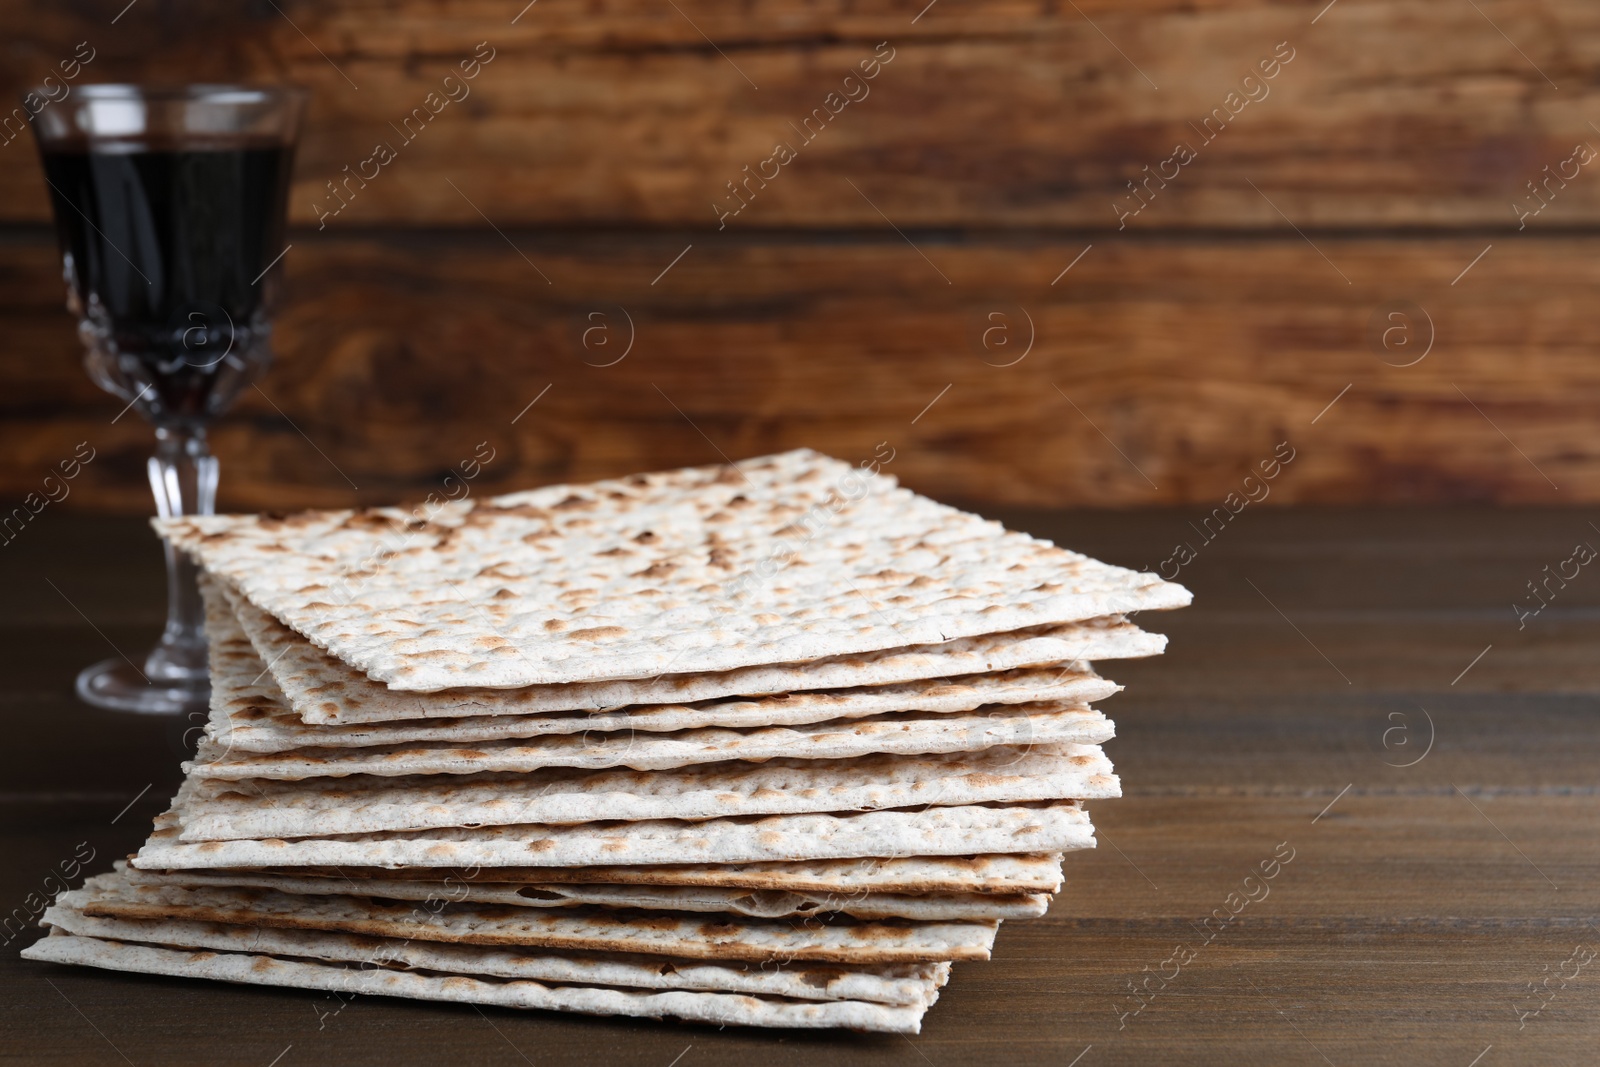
[(325, 691), (649, 575), (758, 904), (915, 983), (267, 725), (953, 831), (250, 713), (219, 810), (242, 689), (586, 929), (712, 1008), (1001, 874), (908, 734)]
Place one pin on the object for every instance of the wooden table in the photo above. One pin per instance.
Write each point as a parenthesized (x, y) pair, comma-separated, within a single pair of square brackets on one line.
[(1326, 651)]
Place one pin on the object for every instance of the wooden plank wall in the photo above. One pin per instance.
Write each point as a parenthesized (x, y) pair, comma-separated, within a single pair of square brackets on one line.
[(1303, 248)]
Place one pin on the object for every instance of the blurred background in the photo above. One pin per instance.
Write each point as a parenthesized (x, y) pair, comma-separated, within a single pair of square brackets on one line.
[(1051, 254)]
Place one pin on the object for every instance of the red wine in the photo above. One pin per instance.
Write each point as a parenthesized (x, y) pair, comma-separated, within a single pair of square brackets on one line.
[(163, 248)]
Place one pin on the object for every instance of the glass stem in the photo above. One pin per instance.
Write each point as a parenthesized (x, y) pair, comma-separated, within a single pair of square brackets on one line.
[(183, 477)]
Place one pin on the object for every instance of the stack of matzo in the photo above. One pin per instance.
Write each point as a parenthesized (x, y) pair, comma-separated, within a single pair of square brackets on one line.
[(770, 744)]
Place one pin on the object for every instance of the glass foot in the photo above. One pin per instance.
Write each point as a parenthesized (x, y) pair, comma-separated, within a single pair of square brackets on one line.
[(114, 684)]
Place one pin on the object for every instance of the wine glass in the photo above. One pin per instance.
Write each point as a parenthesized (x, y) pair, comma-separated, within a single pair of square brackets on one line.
[(170, 208)]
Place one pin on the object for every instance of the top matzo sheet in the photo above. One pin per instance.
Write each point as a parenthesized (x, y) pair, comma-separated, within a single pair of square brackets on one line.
[(783, 559)]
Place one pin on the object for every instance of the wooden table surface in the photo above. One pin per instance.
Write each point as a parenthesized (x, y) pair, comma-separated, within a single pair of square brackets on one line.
[(1350, 688)]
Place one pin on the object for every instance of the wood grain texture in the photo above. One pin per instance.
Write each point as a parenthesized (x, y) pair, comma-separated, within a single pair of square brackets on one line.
[(1018, 114), (1405, 930), (1162, 370), (854, 287)]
